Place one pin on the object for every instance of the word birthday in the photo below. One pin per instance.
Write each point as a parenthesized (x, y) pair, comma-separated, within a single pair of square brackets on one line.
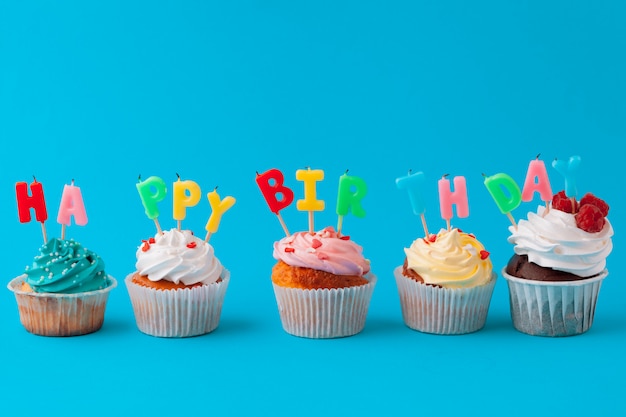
[(350, 193)]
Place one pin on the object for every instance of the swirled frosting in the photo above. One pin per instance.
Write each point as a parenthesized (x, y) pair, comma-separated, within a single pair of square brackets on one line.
[(324, 250), (452, 259), (179, 257), (552, 240), (66, 267)]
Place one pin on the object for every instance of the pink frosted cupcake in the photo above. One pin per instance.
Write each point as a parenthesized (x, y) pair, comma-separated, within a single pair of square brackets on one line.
[(323, 284), (178, 287), (446, 283)]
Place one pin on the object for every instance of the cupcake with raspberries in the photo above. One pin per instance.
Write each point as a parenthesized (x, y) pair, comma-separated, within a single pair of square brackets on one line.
[(178, 287), (559, 264)]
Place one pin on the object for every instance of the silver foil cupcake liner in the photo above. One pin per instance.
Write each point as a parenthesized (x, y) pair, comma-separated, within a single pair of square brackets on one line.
[(51, 314), (178, 313), (324, 313), (445, 311), (553, 309)]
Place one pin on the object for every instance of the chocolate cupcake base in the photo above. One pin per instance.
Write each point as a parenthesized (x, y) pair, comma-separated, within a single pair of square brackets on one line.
[(553, 308)]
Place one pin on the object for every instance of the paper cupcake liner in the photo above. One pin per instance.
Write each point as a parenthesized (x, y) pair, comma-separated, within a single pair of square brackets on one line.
[(541, 308), (49, 314), (178, 313), (324, 313), (448, 311)]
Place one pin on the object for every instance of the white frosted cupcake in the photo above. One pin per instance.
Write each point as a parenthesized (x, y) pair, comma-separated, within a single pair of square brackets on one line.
[(446, 283), (323, 284), (554, 278), (179, 286)]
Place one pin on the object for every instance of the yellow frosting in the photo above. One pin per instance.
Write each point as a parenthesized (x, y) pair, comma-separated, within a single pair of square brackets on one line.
[(453, 260)]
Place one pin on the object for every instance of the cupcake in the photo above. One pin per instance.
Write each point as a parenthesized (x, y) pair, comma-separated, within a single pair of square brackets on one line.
[(64, 292), (178, 287), (555, 274), (445, 284), (323, 284)]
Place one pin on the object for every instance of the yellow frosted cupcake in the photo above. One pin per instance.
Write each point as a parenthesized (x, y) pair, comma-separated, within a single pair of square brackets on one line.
[(445, 284)]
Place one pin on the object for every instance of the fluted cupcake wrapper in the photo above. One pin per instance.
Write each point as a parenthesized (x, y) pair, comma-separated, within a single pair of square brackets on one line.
[(178, 313), (48, 314), (445, 311), (324, 313), (553, 309)]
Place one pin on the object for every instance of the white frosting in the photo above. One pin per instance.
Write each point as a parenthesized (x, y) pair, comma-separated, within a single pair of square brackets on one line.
[(170, 258), (553, 240)]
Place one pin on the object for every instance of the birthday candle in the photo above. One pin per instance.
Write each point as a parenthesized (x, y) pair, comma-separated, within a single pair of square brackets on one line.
[(218, 207), (185, 194), (414, 184), (271, 184), (568, 169), (310, 203), (350, 193), (505, 193), (537, 181), (152, 191), (36, 201), (448, 197), (71, 205)]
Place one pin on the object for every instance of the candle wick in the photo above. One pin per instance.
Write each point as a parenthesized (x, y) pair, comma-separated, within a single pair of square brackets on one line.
[(538, 156), (178, 176)]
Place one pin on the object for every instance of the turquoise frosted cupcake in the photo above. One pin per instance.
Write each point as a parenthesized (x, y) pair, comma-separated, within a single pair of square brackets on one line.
[(64, 292)]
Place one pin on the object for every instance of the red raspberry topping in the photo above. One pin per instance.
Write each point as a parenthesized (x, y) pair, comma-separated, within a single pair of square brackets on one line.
[(191, 245), (562, 202), (484, 254), (589, 218), (595, 201)]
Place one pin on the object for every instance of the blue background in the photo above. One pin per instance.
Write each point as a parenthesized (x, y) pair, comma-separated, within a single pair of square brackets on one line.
[(102, 92)]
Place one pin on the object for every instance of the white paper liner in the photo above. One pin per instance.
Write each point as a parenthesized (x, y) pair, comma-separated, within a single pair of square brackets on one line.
[(50, 314), (178, 313), (324, 313), (445, 311), (542, 308)]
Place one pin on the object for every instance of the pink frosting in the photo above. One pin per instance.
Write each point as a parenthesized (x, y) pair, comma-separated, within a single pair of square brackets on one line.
[(324, 251)]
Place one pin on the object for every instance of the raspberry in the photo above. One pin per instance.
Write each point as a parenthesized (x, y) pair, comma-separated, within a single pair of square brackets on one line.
[(562, 202), (593, 200), (589, 218)]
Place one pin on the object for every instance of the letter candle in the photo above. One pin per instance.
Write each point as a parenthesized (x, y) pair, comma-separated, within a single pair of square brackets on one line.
[(218, 207), (35, 201), (414, 183), (537, 181), (185, 194), (350, 193), (271, 185), (152, 191), (71, 205), (568, 169), (505, 193), (447, 198), (310, 202)]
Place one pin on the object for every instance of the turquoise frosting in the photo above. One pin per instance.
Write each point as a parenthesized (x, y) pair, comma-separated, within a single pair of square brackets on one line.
[(66, 267)]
